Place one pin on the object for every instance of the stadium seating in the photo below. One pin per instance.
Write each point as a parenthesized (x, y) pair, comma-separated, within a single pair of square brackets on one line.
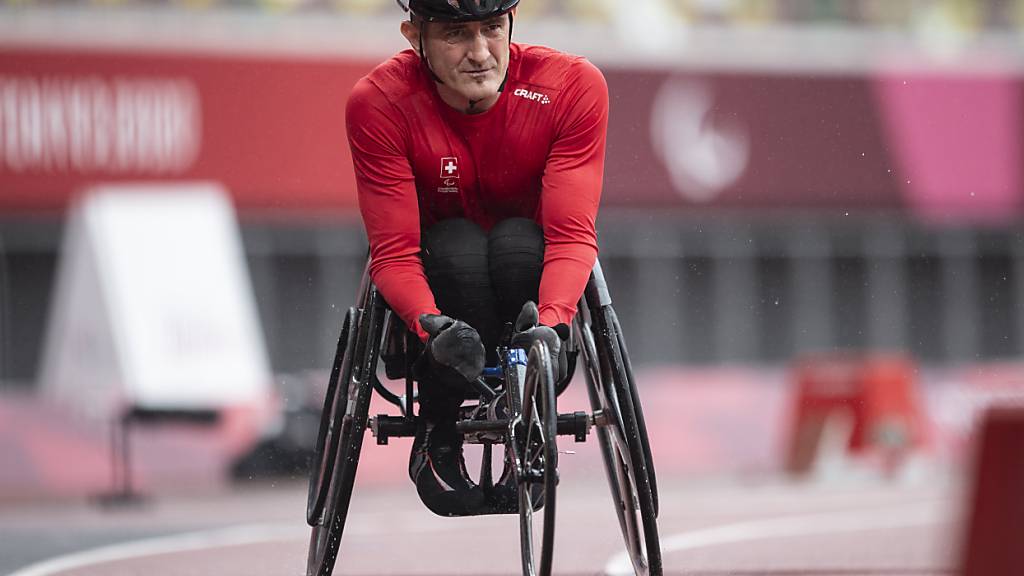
[(965, 15)]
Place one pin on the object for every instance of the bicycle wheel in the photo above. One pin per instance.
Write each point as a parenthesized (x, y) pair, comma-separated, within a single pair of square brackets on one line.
[(537, 461), (618, 435), (325, 539), (326, 450)]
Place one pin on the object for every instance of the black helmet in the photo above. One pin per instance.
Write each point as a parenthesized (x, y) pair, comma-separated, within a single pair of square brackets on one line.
[(457, 10)]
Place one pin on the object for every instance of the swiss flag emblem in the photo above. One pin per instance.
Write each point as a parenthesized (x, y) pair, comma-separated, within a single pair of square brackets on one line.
[(449, 167)]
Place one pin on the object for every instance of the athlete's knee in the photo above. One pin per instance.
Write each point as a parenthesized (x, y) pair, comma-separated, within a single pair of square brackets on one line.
[(520, 236), (454, 236), (454, 246), (455, 262), (516, 259)]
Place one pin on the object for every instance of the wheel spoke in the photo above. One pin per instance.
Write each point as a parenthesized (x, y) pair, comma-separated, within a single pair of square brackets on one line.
[(629, 474)]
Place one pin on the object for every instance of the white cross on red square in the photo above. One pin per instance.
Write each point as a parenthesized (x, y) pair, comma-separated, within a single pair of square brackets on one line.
[(449, 167)]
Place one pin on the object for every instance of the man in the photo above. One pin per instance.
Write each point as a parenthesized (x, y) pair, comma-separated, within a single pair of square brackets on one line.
[(479, 165)]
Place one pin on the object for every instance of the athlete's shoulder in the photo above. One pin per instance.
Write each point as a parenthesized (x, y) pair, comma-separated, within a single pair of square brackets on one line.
[(549, 68), (391, 80)]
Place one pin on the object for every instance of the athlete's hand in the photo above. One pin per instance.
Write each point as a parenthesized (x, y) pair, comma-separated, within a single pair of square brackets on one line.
[(528, 329), (454, 353)]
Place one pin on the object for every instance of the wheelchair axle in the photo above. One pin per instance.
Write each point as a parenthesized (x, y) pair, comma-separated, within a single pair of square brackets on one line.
[(383, 427)]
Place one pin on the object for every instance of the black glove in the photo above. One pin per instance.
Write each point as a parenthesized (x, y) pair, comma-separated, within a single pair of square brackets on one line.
[(528, 329), (454, 353)]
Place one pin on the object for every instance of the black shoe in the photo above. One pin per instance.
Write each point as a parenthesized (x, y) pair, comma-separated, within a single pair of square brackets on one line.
[(438, 469)]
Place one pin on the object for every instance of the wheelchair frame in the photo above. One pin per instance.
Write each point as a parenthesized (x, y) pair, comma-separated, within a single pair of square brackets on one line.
[(617, 416)]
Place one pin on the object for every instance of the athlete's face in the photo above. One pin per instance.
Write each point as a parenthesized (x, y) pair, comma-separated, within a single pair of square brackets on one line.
[(470, 58)]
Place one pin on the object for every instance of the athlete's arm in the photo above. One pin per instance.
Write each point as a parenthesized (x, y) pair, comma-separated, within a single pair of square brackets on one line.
[(571, 192), (388, 202)]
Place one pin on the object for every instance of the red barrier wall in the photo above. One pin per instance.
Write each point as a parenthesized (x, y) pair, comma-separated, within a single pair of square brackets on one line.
[(944, 148), (272, 130)]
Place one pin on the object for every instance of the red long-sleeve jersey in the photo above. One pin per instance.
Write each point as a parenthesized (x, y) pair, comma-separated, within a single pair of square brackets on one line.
[(537, 153)]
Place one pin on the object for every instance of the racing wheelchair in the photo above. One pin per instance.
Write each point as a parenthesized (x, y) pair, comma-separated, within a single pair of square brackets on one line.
[(528, 430)]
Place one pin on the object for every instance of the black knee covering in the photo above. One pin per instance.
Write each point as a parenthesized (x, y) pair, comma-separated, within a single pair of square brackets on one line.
[(455, 261), (516, 258), (455, 254)]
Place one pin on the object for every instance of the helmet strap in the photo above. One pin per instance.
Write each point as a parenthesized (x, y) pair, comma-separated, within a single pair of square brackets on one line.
[(423, 54), (505, 79)]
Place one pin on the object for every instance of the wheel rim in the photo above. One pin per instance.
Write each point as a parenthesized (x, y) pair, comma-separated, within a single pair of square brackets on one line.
[(638, 411), (615, 449), (325, 539), (537, 463), (323, 545), (328, 436)]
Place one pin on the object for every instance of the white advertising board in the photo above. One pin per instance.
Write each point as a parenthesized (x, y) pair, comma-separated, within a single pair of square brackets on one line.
[(153, 306)]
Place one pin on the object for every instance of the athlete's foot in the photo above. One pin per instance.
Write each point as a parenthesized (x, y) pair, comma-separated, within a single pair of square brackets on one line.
[(438, 469)]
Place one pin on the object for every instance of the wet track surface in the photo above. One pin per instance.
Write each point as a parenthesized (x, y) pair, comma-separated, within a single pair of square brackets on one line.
[(726, 509), (708, 528)]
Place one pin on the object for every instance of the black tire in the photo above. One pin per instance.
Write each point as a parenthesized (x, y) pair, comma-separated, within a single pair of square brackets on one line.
[(638, 409), (325, 539), (325, 454), (537, 461), (629, 475)]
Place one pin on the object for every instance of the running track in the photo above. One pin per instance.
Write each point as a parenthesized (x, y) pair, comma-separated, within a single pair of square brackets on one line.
[(714, 528), (717, 437)]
